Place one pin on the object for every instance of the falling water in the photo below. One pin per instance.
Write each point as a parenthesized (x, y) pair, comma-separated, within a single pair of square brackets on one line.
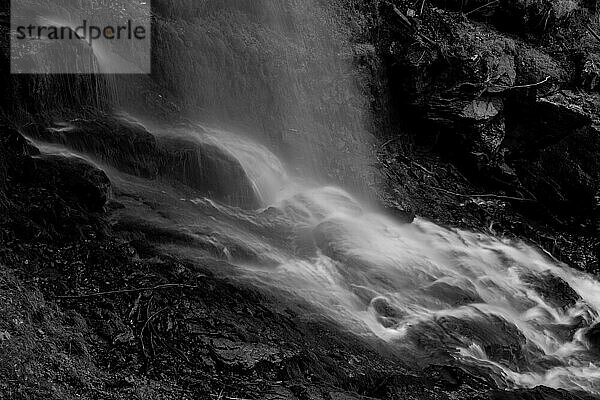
[(441, 294), (444, 295)]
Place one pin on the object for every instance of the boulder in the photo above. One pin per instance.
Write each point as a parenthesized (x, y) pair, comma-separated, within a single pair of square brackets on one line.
[(206, 168), (533, 126), (552, 289), (452, 294), (554, 144), (589, 77), (125, 145), (402, 214), (13, 147), (130, 148), (592, 336), (517, 15), (71, 177), (386, 313)]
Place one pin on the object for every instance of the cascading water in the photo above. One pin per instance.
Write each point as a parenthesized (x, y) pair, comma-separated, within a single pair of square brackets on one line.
[(443, 295)]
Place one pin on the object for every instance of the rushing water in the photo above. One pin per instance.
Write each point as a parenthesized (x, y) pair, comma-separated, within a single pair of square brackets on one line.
[(443, 295), (491, 302)]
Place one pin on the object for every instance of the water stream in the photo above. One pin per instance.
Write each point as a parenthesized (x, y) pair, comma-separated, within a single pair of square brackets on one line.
[(442, 294)]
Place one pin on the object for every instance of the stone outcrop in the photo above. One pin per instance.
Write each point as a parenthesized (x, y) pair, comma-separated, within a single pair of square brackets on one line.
[(132, 149), (505, 110), (74, 178)]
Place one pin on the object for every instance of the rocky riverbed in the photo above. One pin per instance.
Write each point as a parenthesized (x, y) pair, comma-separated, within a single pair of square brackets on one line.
[(485, 117)]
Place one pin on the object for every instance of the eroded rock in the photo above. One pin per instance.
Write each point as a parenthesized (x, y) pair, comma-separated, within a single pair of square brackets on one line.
[(552, 289), (131, 148)]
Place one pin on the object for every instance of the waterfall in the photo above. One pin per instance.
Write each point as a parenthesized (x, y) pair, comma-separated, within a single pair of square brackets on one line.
[(279, 72), (440, 294), (272, 104)]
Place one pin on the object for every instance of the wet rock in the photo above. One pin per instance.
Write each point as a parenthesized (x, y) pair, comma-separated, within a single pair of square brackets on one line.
[(538, 393), (534, 67), (383, 307), (131, 148), (13, 146), (125, 145), (401, 214), (558, 154), (453, 295), (245, 356), (72, 177), (501, 341), (206, 168), (552, 289), (592, 336), (590, 72), (387, 314), (545, 122)]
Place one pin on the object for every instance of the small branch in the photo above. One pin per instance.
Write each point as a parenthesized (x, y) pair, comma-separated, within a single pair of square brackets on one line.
[(593, 32), (156, 314), (386, 144), (480, 7), (491, 196), (528, 86), (403, 17), (410, 25), (421, 167), (220, 396), (137, 290)]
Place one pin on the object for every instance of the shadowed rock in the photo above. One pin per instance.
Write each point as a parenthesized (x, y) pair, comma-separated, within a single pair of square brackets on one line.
[(72, 177), (552, 289), (131, 148)]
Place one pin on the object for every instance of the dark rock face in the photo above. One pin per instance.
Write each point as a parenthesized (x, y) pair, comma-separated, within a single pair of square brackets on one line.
[(501, 341), (553, 289), (545, 122), (559, 162), (71, 177), (592, 335), (208, 169), (490, 102), (48, 197), (453, 295), (12, 148), (401, 214), (132, 149)]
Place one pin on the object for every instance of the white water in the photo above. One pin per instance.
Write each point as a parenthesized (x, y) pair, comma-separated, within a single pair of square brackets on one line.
[(442, 295), (423, 286)]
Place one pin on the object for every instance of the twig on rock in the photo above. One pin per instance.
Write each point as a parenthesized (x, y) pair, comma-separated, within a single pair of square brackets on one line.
[(410, 25), (422, 167), (530, 85), (480, 7), (403, 17), (491, 196), (123, 291), (386, 144), (220, 396), (593, 32)]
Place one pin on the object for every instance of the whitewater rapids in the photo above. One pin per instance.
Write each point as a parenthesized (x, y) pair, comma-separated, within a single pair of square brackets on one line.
[(442, 295), (495, 303)]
